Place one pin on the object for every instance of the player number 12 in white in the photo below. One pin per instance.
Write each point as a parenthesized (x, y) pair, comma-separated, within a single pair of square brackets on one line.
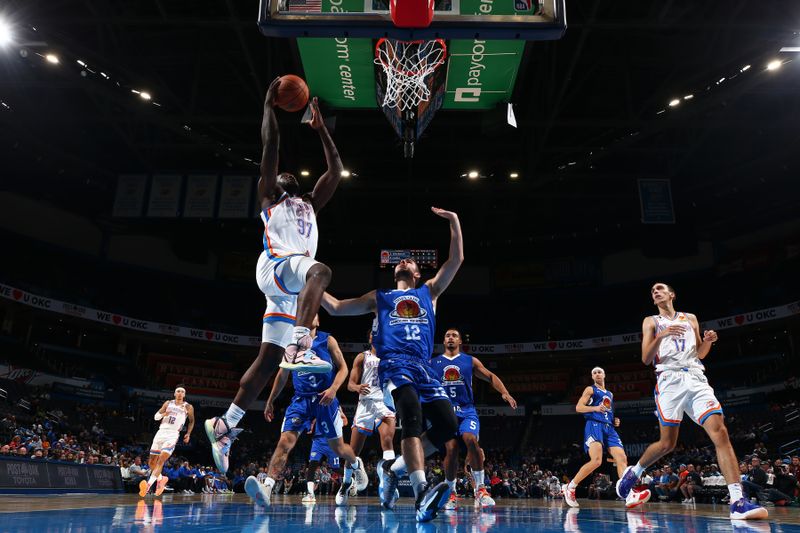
[(412, 333)]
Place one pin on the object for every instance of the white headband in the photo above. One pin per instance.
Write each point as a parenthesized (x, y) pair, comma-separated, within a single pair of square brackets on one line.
[(598, 368), (180, 388)]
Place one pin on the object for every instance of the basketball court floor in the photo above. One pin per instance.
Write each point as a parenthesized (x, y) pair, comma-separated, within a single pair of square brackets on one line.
[(89, 513)]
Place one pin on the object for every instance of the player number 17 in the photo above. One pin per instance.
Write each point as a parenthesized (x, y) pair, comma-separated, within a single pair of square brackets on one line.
[(680, 344)]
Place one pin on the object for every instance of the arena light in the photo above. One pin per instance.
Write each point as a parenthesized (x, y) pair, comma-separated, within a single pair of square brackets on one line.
[(345, 173), (674, 102), (52, 59), (775, 64), (744, 68), (6, 35), (305, 173), (473, 174), (144, 95), (688, 97), (514, 175)]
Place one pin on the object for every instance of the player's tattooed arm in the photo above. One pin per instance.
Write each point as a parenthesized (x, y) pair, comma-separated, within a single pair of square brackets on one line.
[(583, 407), (327, 183), (190, 423), (448, 270), (354, 381), (277, 387), (362, 305), (270, 139), (708, 339), (481, 372)]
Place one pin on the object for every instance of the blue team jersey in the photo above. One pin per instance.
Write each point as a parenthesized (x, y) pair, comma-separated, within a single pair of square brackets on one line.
[(456, 377), (309, 383), (600, 396), (405, 324)]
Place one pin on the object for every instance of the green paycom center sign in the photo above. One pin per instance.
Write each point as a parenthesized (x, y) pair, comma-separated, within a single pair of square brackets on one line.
[(480, 74)]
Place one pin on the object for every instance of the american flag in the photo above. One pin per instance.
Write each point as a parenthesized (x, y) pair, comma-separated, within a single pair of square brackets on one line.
[(305, 6)]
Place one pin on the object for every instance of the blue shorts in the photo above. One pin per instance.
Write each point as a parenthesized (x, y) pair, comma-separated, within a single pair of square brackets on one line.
[(320, 449), (304, 409), (605, 434), (468, 421), (396, 371)]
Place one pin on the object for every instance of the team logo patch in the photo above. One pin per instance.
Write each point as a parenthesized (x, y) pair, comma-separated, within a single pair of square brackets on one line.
[(296, 420), (407, 310), (710, 404), (314, 454), (607, 402), (451, 374)]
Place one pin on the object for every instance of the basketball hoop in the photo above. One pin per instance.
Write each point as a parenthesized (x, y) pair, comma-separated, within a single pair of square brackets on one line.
[(406, 64)]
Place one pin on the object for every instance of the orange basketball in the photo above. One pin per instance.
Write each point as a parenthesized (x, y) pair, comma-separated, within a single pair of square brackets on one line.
[(292, 93)]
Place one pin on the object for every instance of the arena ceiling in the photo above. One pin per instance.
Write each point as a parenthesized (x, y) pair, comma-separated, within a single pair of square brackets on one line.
[(592, 109)]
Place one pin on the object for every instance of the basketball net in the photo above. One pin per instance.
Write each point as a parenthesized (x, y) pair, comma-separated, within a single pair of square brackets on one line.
[(406, 64)]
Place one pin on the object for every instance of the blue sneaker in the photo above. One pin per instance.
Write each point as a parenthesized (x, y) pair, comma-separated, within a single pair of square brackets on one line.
[(742, 509), (390, 492), (626, 482), (430, 500)]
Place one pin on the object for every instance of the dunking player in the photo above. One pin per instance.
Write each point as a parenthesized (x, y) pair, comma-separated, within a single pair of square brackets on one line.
[(403, 340), (287, 274), (597, 406), (173, 414), (455, 370), (371, 413), (319, 450), (672, 341), (314, 399)]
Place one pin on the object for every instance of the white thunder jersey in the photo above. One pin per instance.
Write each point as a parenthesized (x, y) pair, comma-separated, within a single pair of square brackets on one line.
[(174, 418), (370, 377), (290, 228), (677, 353)]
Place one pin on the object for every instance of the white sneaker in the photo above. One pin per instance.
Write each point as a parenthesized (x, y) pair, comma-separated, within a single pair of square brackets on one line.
[(483, 499), (452, 502), (309, 498), (636, 498), (569, 496), (353, 490), (360, 479), (343, 493), (259, 493), (221, 437), (300, 356)]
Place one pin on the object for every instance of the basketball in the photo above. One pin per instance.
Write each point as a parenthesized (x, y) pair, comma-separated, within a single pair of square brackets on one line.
[(292, 93)]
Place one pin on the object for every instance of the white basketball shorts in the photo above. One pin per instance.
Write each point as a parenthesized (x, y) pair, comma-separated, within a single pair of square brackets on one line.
[(164, 441), (684, 391), (281, 281), (369, 415)]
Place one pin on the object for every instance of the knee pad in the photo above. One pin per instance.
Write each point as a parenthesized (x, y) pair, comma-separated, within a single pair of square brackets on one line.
[(443, 422), (409, 411)]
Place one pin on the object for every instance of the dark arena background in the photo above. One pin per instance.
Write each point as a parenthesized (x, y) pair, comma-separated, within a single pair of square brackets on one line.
[(591, 150)]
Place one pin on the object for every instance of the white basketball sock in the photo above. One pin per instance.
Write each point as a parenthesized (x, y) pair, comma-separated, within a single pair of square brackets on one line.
[(233, 415), (388, 455)]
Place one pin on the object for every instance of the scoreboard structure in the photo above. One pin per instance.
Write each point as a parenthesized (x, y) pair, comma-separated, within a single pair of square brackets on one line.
[(424, 258)]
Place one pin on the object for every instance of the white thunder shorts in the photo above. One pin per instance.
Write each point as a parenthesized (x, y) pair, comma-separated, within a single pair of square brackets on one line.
[(281, 280), (684, 391), (164, 441), (369, 415)]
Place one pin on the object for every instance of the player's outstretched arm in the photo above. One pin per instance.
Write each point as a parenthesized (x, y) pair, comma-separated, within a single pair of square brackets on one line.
[(327, 183), (362, 305), (161, 412), (270, 139), (705, 343), (190, 423), (487, 375), (448, 270), (354, 381), (582, 407)]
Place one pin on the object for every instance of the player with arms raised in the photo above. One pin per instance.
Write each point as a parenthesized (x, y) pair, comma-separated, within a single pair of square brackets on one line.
[(597, 406), (671, 340), (403, 339), (173, 414), (291, 280), (455, 370)]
